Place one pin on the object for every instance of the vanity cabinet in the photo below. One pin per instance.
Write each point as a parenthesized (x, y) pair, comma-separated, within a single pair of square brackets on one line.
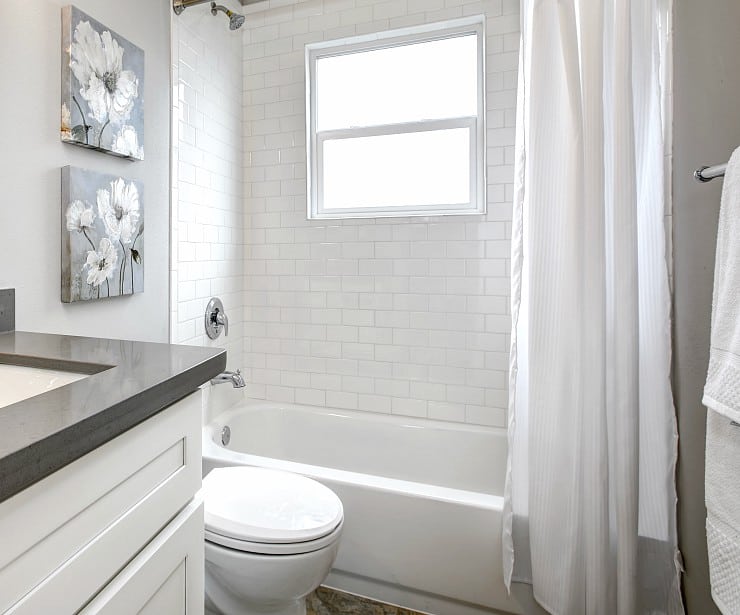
[(118, 531)]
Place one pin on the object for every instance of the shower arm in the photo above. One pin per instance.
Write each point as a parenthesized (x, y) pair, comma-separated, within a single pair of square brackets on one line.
[(180, 5)]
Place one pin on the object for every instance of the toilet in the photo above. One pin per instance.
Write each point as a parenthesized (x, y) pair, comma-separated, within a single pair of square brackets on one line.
[(271, 538)]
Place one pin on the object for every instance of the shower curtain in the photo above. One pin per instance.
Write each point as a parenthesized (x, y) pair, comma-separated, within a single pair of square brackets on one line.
[(589, 515)]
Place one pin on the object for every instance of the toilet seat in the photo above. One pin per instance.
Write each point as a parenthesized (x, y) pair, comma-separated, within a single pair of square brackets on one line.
[(257, 510), (273, 548)]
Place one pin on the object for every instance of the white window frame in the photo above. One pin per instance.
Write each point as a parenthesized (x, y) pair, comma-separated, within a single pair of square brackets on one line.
[(476, 124)]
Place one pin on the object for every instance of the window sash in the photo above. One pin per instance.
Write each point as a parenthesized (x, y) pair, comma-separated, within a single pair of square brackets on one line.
[(476, 125), (396, 129)]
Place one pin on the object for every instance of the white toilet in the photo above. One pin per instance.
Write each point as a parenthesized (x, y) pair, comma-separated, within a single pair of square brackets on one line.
[(271, 539)]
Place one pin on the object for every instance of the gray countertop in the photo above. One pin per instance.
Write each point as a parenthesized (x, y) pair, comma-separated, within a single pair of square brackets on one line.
[(128, 383)]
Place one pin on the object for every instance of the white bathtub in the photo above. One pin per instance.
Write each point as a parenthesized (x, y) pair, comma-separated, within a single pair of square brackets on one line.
[(422, 499)]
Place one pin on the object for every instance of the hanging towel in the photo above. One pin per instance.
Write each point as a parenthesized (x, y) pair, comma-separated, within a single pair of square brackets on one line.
[(722, 397), (722, 390), (723, 511)]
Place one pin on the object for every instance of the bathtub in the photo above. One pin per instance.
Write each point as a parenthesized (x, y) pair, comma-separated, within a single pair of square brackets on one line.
[(422, 499)]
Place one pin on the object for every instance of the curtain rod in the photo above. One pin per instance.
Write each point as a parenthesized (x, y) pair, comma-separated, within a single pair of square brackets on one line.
[(707, 174)]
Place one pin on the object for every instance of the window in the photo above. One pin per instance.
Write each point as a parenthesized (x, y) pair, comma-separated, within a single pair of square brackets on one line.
[(396, 123)]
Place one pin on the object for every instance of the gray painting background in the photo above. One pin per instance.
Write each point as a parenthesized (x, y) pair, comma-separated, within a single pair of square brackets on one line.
[(133, 60), (83, 185)]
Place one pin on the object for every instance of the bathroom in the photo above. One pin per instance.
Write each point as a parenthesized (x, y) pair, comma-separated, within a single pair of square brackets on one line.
[(385, 339)]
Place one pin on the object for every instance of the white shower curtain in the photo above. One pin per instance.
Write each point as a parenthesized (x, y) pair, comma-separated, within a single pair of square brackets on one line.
[(589, 516)]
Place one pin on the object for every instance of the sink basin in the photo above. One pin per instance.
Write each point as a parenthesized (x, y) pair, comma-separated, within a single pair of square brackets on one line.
[(18, 382)]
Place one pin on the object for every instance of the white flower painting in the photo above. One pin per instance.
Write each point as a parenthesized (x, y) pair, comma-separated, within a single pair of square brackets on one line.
[(102, 87), (102, 236)]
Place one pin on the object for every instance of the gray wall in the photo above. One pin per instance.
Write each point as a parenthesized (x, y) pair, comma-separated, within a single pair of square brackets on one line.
[(31, 156), (706, 130)]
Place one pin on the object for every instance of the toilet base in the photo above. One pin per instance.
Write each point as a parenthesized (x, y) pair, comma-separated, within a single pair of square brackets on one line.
[(243, 583)]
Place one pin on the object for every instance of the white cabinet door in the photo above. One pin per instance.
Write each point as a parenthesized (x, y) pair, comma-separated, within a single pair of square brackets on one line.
[(165, 578), (170, 597), (64, 538)]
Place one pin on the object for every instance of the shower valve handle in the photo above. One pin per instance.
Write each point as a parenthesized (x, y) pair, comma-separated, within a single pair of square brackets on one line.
[(216, 318), (222, 320)]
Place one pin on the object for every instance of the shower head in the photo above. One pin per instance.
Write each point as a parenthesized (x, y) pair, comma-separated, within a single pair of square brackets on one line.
[(236, 21)]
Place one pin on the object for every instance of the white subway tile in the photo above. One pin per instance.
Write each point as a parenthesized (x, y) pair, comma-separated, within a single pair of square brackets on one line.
[(411, 337), (358, 384), (480, 415), (375, 335), (409, 407), (392, 353), (403, 315), (392, 249), (376, 267), (280, 393), (341, 333), (465, 358), (295, 379), (374, 403), (447, 374), (465, 394), (410, 267), (375, 369), (360, 284), (410, 371), (391, 284), (375, 232), (326, 349), (329, 382), (359, 318), (341, 399), (497, 398), (445, 411), (428, 391), (397, 388), (426, 356), (342, 366), (310, 397)]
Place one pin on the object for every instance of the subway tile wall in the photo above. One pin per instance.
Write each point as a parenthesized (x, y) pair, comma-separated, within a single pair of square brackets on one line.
[(207, 202), (407, 316)]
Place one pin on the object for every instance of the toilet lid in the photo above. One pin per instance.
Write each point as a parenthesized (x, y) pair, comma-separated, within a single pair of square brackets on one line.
[(268, 506)]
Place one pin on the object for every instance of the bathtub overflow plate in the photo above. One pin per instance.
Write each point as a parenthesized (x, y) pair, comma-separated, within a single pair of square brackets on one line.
[(225, 435)]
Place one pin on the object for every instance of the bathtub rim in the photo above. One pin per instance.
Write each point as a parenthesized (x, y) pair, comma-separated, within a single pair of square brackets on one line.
[(411, 422), (214, 454)]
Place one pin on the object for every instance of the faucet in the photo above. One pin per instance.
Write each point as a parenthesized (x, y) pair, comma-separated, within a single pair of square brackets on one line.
[(235, 378)]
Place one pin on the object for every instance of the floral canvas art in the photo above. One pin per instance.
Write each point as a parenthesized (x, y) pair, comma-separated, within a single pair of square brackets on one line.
[(102, 236), (102, 87)]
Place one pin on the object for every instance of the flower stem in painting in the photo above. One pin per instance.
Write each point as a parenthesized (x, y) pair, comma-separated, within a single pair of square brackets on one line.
[(84, 123), (92, 245), (135, 256), (122, 275), (102, 129)]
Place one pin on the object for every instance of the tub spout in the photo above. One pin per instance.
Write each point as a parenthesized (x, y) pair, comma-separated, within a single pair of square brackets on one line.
[(235, 378)]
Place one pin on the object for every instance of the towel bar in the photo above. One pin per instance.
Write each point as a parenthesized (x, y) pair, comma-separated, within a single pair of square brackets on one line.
[(707, 174)]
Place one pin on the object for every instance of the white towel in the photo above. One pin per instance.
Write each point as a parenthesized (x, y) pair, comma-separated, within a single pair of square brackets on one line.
[(722, 397), (723, 511), (722, 389)]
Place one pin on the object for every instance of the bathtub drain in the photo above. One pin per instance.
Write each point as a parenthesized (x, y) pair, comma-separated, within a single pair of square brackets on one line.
[(225, 435)]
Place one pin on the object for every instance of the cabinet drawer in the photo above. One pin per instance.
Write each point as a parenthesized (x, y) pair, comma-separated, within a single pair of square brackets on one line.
[(165, 578), (77, 528)]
